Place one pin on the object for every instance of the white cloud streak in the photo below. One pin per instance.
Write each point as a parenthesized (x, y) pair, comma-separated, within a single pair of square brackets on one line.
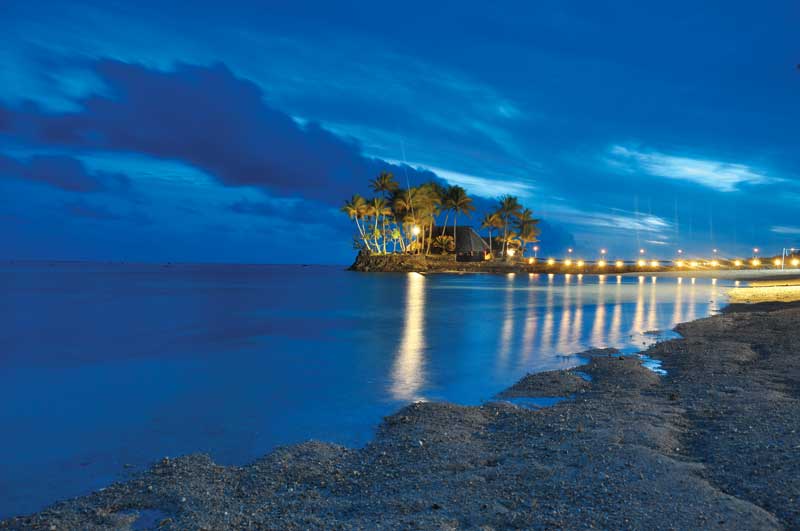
[(719, 175)]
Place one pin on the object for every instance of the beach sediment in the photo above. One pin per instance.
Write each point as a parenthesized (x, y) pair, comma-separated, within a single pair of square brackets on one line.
[(713, 444)]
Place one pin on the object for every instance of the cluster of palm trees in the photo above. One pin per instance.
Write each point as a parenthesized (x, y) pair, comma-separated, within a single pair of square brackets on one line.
[(519, 227), (406, 218)]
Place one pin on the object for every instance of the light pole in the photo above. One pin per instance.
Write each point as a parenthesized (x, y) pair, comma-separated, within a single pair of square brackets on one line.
[(535, 251)]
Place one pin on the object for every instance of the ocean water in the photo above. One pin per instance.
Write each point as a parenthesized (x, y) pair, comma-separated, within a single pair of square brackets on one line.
[(105, 368)]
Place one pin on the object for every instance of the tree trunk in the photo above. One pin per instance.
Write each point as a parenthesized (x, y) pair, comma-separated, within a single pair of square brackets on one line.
[(363, 235), (455, 222)]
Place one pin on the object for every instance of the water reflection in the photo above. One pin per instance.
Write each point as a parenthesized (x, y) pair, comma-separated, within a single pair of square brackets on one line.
[(408, 372), (529, 320)]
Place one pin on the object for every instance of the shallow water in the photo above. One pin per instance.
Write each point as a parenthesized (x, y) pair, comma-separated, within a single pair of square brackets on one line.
[(106, 368)]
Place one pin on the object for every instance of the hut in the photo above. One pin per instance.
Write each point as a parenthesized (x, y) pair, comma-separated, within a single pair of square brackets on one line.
[(470, 247)]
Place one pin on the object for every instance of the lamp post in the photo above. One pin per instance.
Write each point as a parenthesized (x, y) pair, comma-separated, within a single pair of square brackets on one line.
[(535, 251)]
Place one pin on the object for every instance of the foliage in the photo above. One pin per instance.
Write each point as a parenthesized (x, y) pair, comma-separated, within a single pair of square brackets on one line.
[(403, 219), (444, 243)]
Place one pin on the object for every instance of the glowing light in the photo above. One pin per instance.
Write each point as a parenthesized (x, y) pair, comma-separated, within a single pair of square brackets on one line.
[(654, 263), (641, 251), (511, 252), (795, 262), (756, 262), (777, 261), (568, 262), (415, 230), (619, 263), (535, 247), (714, 263), (679, 263), (580, 263), (680, 251), (641, 263), (602, 251), (550, 261), (755, 250), (569, 250), (737, 263), (693, 263), (531, 260), (601, 263)]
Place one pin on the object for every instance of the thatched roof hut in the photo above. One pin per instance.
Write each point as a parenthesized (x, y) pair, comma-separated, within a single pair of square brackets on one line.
[(469, 244)]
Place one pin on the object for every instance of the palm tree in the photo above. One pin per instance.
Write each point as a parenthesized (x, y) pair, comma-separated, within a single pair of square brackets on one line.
[(356, 209), (377, 208), (527, 226), (403, 205), (428, 201), (460, 203), (508, 209), (384, 184), (491, 221)]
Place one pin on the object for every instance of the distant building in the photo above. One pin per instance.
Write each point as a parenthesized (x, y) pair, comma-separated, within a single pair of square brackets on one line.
[(470, 247)]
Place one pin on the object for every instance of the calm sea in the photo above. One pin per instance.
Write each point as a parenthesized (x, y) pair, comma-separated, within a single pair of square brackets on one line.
[(106, 368)]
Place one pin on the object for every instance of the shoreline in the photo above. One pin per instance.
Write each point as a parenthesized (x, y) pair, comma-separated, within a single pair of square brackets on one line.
[(714, 443), (446, 264)]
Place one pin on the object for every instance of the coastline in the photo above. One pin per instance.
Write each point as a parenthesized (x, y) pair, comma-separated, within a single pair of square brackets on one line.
[(446, 264), (714, 443)]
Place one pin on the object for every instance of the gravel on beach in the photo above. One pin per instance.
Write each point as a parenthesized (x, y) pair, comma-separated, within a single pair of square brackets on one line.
[(714, 444)]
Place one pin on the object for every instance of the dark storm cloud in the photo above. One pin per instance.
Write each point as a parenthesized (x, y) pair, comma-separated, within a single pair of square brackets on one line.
[(214, 121), (81, 209), (63, 172)]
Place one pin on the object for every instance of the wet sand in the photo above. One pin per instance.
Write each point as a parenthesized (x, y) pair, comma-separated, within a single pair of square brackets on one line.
[(714, 444)]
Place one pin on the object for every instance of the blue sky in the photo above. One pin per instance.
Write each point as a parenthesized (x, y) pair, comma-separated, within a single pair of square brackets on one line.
[(168, 132)]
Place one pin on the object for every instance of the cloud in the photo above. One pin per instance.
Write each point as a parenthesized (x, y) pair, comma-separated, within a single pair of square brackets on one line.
[(785, 229), (719, 175), (482, 186), (63, 172), (81, 209), (212, 120), (615, 219)]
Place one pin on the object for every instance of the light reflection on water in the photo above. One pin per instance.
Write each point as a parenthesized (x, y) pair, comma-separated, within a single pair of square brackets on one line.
[(539, 331), (105, 365)]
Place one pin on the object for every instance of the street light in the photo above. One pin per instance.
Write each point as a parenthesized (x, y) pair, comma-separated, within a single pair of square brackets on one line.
[(535, 250), (620, 263), (737, 263), (415, 230), (641, 263), (580, 263)]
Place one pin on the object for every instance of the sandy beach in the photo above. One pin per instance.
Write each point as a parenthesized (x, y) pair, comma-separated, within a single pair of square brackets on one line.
[(713, 444)]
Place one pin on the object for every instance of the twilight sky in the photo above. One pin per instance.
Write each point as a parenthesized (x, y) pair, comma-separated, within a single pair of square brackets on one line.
[(156, 131)]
